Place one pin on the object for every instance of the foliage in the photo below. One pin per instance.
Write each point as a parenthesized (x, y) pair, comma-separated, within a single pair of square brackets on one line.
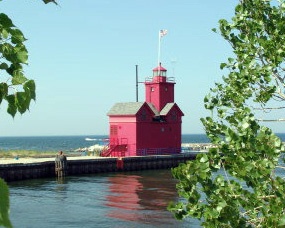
[(49, 1), (235, 184), (4, 205), (16, 90)]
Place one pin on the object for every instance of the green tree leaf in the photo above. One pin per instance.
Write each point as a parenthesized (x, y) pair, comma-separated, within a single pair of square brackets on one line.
[(4, 205), (30, 88), (3, 66), (5, 21), (12, 108)]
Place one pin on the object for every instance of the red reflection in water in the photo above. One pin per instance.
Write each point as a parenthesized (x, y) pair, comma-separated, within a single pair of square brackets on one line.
[(136, 199), (124, 189), (124, 196)]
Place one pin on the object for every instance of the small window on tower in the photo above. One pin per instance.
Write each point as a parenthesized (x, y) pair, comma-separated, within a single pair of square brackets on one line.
[(174, 115), (166, 88), (152, 89), (143, 115)]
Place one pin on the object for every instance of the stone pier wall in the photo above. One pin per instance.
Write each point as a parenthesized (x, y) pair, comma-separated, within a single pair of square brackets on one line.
[(16, 172)]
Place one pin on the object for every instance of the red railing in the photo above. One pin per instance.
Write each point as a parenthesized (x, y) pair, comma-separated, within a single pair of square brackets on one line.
[(114, 151), (158, 151), (120, 151), (106, 152)]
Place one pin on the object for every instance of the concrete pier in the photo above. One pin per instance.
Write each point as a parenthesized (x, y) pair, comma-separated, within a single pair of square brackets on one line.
[(87, 165)]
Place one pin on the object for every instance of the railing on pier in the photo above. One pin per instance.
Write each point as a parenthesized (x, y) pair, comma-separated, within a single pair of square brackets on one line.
[(158, 151), (114, 150)]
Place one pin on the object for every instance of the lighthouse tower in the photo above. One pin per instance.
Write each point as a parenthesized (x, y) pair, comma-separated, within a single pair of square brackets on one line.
[(152, 127), (159, 90)]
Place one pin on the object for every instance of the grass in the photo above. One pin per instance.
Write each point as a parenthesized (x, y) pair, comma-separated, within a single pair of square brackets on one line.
[(40, 154), (26, 153)]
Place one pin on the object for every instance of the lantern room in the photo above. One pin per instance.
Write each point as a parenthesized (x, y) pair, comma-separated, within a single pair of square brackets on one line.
[(159, 89)]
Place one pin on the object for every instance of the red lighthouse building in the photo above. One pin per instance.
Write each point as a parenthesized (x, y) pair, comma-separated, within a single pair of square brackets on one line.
[(147, 128)]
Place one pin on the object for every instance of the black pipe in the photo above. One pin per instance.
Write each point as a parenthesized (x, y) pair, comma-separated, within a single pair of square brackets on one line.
[(137, 89)]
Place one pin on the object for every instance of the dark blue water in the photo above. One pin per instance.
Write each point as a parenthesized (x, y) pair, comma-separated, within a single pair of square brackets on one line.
[(50, 143), (69, 143)]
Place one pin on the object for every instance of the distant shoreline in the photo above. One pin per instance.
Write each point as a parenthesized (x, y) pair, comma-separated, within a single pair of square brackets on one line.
[(85, 152), (94, 135)]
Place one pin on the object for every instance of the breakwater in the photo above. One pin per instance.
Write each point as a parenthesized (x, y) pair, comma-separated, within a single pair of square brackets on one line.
[(22, 171)]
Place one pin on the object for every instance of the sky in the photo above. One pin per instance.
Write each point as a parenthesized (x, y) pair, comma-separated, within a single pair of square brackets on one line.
[(82, 56)]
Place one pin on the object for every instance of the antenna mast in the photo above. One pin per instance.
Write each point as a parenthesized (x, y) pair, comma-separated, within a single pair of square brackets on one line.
[(137, 82)]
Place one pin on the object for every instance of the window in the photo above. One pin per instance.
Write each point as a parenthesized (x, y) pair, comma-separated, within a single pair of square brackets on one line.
[(143, 115), (113, 130), (174, 115)]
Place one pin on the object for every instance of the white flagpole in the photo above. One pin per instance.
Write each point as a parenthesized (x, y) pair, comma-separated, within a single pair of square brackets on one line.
[(161, 33), (158, 56), (159, 39)]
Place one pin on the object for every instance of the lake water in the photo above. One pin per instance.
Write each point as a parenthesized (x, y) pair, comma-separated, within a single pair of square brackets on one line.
[(133, 199), (70, 143)]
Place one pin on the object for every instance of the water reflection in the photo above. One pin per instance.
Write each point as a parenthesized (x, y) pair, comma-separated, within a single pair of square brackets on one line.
[(143, 200), (123, 196)]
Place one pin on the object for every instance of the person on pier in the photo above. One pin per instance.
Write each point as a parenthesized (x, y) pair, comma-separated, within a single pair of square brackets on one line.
[(60, 164)]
